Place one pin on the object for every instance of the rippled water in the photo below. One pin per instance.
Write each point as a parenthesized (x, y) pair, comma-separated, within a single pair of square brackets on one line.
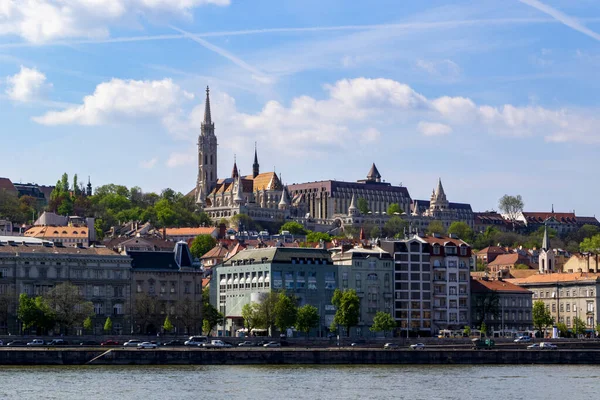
[(302, 382)]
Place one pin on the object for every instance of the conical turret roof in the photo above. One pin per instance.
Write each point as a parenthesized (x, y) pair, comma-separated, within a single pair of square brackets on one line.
[(373, 173)]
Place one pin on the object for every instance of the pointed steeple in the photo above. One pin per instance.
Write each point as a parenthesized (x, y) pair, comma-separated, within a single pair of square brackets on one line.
[(207, 116), (284, 202), (199, 197), (374, 175), (440, 189), (239, 194), (234, 172), (553, 209), (352, 210), (89, 187), (416, 208), (255, 166), (546, 240)]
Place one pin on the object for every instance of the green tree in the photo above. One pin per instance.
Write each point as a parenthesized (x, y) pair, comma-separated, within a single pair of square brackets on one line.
[(33, 311), (436, 227), (307, 318), (347, 305), (462, 230), (562, 328), (251, 316), (382, 321), (167, 325), (578, 326), (522, 266), (467, 331), (483, 328), (286, 312), (293, 227), (375, 232), (480, 266), (266, 310), (201, 245), (395, 226), (511, 206), (206, 328), (363, 205), (69, 306), (212, 315), (108, 325), (590, 244), (87, 324), (316, 237), (541, 317), (243, 222), (394, 208)]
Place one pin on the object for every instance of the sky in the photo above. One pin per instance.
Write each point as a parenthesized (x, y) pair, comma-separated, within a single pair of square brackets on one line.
[(493, 97)]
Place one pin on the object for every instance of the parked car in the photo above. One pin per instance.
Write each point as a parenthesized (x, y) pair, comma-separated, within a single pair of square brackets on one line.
[(547, 346), (272, 344), (1, 343), (246, 344), (132, 343), (417, 346), (89, 343), (534, 346), (109, 343), (17, 343), (389, 346), (36, 343), (147, 345), (523, 339), (358, 343), (174, 343), (483, 343), (196, 341), (215, 344), (58, 342)]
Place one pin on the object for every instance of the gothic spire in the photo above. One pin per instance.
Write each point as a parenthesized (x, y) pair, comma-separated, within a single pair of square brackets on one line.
[(440, 189), (255, 166), (239, 195), (374, 174), (207, 117), (234, 172), (284, 202), (546, 240)]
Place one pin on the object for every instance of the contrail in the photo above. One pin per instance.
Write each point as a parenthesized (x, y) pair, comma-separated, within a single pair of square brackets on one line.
[(403, 26), (222, 52), (569, 21)]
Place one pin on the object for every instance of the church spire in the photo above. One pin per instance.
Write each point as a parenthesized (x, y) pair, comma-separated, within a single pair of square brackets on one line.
[(255, 166), (207, 116), (440, 189), (234, 172), (546, 240)]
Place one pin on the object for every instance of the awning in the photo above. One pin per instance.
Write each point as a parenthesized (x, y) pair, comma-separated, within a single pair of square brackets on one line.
[(236, 281), (223, 281), (254, 280), (230, 281), (261, 279)]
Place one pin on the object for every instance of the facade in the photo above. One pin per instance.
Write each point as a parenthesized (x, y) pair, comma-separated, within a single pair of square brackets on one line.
[(492, 219), (582, 262), (7, 186), (369, 271), (431, 283), (490, 253), (262, 196), (562, 223), (125, 245), (501, 305), (567, 296), (248, 276), (65, 235), (439, 208), (166, 283), (103, 277), (506, 262)]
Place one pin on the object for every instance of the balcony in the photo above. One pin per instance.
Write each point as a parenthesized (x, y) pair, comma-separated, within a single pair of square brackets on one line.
[(443, 306), (439, 267), (439, 294)]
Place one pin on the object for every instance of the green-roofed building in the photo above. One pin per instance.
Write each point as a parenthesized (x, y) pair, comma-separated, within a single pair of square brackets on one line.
[(306, 273)]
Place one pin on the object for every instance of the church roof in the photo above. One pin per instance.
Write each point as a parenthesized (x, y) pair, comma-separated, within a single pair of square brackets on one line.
[(266, 181), (373, 173)]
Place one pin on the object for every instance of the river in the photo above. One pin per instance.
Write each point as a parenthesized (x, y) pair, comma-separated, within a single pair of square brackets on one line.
[(529, 382)]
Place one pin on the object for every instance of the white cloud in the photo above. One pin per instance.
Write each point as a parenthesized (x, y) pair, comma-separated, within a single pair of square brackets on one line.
[(27, 85), (181, 159), (148, 164), (434, 128), (38, 21), (445, 69), (118, 100)]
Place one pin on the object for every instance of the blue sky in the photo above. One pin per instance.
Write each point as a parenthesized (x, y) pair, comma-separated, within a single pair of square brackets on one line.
[(494, 97)]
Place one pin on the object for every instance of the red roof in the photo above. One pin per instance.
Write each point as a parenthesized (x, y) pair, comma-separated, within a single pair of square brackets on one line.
[(7, 185), (492, 250), (509, 259), (482, 286)]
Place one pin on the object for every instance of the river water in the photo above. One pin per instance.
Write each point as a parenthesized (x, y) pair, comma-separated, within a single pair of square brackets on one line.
[(571, 382)]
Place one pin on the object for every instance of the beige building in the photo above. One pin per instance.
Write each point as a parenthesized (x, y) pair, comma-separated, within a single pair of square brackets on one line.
[(368, 270), (70, 236), (566, 295), (582, 262)]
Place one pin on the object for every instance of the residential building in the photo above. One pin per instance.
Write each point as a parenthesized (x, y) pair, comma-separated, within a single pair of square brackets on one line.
[(185, 234), (431, 283), (166, 283), (492, 219), (306, 273), (566, 296), (124, 245), (70, 236), (490, 253), (501, 305), (368, 270), (582, 262), (262, 196), (562, 223), (506, 262), (32, 266)]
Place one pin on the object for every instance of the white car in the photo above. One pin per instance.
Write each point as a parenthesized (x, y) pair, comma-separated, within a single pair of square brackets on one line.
[(547, 346), (132, 343), (523, 339), (147, 345), (417, 346), (196, 341), (36, 342), (215, 344)]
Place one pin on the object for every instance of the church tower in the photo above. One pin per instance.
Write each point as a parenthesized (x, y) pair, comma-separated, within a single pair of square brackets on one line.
[(255, 166), (207, 153), (546, 256)]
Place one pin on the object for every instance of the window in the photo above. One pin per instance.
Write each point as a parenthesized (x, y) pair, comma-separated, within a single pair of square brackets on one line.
[(463, 250), (98, 308), (118, 309), (436, 249), (330, 280), (163, 288), (173, 288), (186, 287), (289, 280), (277, 280), (312, 280), (568, 307), (96, 291)]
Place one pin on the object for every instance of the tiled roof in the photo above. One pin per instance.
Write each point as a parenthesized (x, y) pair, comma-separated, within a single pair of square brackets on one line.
[(542, 216), (482, 286), (266, 181), (443, 240), (40, 249), (57, 232), (157, 244), (280, 255), (492, 250), (216, 252), (509, 259), (7, 185), (559, 277), (522, 273), (190, 231)]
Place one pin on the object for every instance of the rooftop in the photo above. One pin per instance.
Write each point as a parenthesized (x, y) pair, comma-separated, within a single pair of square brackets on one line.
[(279, 255), (483, 285)]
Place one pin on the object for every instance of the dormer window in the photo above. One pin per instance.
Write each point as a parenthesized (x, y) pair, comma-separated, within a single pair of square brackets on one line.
[(436, 248)]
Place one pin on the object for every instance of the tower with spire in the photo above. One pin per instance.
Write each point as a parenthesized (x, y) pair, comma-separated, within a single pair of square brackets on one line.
[(546, 256), (207, 153), (255, 166), (438, 201)]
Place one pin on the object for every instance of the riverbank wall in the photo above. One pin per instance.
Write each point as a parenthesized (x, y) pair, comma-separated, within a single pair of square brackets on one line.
[(292, 356)]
